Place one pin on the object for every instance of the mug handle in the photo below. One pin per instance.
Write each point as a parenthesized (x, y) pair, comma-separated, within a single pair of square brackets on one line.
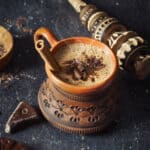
[(45, 53)]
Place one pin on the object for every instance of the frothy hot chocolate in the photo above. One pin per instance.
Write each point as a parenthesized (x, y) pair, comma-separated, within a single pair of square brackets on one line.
[(83, 64)]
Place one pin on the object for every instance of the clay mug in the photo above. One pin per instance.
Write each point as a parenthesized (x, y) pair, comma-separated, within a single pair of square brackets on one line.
[(73, 108)]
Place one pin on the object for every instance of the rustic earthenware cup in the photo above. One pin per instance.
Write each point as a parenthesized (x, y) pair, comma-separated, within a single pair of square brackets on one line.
[(73, 108)]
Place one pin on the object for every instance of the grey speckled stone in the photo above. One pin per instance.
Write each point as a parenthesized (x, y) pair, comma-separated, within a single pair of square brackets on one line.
[(132, 129)]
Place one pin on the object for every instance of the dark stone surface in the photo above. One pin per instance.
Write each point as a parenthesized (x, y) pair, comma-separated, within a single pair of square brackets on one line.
[(130, 131)]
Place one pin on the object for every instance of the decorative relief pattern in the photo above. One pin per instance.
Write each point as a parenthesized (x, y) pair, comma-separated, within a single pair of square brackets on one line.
[(126, 48), (76, 114), (115, 37), (95, 19)]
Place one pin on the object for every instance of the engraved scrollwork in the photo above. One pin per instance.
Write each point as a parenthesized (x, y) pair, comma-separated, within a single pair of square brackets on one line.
[(114, 38), (126, 48)]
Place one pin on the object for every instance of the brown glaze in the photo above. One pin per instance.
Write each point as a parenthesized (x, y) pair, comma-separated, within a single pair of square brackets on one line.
[(73, 108)]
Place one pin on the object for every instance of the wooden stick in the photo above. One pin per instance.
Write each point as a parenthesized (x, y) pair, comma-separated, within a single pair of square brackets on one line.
[(47, 56)]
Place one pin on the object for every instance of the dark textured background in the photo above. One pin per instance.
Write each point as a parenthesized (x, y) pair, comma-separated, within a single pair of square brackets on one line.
[(131, 131)]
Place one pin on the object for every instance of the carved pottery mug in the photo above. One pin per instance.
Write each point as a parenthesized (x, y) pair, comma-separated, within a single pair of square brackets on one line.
[(73, 108)]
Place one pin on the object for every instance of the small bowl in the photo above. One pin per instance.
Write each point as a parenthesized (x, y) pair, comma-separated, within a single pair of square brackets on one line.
[(6, 40)]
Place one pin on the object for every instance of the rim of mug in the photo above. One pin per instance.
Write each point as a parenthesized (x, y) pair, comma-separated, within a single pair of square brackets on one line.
[(82, 89)]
